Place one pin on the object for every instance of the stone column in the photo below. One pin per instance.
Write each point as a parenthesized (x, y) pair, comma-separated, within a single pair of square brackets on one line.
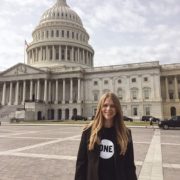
[(90, 59), (176, 89), (47, 53), (167, 89), (3, 102), (49, 93), (41, 54), (36, 54), (64, 91), (57, 90), (53, 53), (62, 114), (31, 90), (83, 56), (86, 62), (78, 60), (17, 93), (66, 51), (24, 92), (72, 54), (140, 95), (10, 94), (71, 90), (79, 90), (45, 90), (32, 55), (60, 52), (38, 89), (128, 92)]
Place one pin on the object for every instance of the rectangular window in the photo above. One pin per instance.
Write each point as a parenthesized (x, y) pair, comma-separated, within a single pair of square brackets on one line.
[(62, 54), (171, 95), (147, 111), (135, 113), (145, 79), (51, 54), (95, 97), (95, 83), (57, 53), (146, 94), (62, 33), (106, 82), (134, 94), (120, 94), (170, 81), (57, 33), (133, 80)]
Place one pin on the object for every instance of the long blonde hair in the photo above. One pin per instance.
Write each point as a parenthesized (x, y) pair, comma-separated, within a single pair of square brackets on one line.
[(120, 128)]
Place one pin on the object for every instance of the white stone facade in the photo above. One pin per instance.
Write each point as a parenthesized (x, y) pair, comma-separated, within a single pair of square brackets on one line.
[(59, 79)]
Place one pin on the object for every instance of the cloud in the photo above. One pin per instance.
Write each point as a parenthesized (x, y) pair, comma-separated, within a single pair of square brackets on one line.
[(121, 31)]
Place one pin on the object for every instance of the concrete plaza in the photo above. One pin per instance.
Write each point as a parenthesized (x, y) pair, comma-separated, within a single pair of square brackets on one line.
[(48, 152)]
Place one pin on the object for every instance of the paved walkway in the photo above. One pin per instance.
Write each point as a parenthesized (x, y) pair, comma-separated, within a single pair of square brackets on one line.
[(49, 152), (152, 165)]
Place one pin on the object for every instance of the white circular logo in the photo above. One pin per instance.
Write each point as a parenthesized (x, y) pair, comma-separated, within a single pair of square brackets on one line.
[(106, 149)]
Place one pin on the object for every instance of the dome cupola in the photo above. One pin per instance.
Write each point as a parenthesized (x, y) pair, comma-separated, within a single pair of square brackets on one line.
[(60, 12)]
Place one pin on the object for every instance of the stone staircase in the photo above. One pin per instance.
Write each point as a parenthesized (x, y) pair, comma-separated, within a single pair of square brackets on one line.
[(8, 112)]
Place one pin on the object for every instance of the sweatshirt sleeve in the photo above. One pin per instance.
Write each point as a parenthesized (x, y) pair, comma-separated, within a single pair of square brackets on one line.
[(130, 165), (81, 163)]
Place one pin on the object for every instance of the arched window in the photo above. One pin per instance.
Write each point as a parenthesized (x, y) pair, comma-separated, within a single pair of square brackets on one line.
[(66, 113), (74, 111), (59, 114)]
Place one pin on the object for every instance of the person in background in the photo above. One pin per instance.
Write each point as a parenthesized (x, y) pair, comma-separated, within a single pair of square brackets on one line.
[(106, 146)]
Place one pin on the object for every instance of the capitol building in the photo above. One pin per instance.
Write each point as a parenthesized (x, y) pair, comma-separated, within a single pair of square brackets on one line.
[(59, 79)]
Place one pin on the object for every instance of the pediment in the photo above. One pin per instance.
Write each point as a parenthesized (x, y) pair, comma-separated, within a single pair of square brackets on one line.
[(21, 69)]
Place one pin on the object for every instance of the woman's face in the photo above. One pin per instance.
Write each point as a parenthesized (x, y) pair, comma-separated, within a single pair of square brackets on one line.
[(108, 110)]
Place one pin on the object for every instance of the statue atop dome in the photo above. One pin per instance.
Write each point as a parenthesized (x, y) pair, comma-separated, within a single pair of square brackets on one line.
[(62, 2)]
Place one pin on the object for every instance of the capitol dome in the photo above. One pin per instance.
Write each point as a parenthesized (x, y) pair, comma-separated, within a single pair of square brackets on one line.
[(60, 40), (61, 12)]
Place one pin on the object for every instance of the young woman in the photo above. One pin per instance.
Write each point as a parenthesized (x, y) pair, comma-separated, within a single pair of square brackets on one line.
[(106, 147)]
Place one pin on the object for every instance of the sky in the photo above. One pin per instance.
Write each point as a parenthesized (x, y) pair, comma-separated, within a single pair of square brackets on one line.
[(121, 31)]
